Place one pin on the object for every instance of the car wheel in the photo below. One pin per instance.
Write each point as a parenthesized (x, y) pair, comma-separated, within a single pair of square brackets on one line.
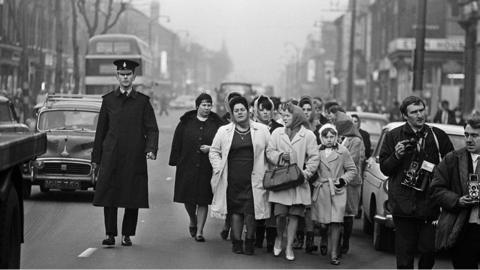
[(10, 238), (27, 188), (383, 237), (367, 225)]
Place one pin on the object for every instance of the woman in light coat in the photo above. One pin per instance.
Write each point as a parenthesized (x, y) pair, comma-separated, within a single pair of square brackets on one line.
[(293, 143), (237, 155), (329, 197)]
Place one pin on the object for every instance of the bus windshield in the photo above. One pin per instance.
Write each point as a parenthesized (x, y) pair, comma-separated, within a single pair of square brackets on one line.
[(113, 47)]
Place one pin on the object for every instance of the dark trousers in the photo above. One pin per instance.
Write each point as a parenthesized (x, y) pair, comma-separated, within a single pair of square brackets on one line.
[(129, 224), (466, 252), (412, 235)]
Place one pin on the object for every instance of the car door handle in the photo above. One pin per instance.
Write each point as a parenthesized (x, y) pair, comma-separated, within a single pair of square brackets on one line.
[(369, 166)]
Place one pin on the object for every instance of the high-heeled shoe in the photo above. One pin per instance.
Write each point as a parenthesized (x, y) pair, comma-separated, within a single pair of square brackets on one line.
[(323, 249), (277, 248), (289, 255), (334, 261)]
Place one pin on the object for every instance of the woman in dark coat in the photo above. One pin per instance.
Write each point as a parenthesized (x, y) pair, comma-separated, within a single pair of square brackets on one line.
[(191, 144)]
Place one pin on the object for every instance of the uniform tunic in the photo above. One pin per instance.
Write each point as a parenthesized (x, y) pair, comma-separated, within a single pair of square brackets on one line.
[(240, 164)]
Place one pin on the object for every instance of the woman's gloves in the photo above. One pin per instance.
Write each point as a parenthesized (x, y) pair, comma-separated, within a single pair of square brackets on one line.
[(341, 183)]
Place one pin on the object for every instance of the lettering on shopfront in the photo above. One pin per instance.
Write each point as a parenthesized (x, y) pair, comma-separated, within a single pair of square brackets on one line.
[(431, 44)]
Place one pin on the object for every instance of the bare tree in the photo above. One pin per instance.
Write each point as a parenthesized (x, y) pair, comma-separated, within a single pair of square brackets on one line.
[(58, 45), (111, 14), (76, 67)]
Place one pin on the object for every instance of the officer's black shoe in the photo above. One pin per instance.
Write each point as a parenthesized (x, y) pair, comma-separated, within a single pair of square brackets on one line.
[(109, 241), (126, 241)]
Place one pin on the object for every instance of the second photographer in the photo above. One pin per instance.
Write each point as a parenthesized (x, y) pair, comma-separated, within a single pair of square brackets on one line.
[(408, 157)]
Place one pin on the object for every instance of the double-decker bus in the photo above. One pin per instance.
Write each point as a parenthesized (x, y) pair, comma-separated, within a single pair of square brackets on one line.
[(104, 49)]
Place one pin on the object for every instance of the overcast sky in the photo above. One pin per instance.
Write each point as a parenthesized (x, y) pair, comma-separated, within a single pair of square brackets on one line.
[(256, 31)]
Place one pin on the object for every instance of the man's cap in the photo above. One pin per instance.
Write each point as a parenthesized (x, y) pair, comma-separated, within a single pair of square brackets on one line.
[(125, 64)]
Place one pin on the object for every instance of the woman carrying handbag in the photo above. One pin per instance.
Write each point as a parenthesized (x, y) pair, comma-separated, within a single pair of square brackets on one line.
[(329, 197), (294, 144)]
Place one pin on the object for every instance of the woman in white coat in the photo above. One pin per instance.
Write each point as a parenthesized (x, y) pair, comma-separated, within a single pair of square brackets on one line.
[(237, 155), (329, 196), (293, 143)]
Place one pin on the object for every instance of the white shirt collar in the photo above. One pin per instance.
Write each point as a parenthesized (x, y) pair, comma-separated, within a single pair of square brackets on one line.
[(128, 91), (474, 156)]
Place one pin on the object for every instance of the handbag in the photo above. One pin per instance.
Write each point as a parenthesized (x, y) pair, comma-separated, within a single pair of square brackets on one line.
[(283, 177)]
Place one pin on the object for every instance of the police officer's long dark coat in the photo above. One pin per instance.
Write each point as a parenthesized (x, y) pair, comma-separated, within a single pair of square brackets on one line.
[(126, 131), (194, 171)]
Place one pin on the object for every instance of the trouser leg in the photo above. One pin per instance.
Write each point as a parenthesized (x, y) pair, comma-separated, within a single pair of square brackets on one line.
[(465, 253), (426, 245), (129, 224), (110, 215), (259, 233), (405, 242)]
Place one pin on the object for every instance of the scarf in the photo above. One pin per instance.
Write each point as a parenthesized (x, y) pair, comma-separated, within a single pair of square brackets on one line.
[(298, 120), (323, 144), (256, 110)]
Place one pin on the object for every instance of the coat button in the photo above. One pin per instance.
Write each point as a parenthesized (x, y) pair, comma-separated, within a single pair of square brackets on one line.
[(197, 165), (198, 151), (199, 138), (201, 128)]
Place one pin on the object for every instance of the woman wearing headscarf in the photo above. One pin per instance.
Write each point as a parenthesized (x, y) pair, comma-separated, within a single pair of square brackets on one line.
[(191, 143), (263, 108), (238, 159), (336, 171), (352, 140), (305, 225), (294, 143)]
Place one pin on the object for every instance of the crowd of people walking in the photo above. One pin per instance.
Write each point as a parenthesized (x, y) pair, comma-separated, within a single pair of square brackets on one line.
[(221, 162)]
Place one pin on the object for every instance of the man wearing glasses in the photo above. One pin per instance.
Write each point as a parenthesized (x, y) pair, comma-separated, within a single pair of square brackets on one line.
[(455, 189), (126, 136)]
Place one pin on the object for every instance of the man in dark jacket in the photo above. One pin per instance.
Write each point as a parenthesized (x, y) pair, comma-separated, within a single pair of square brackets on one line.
[(444, 115), (459, 223), (409, 153), (126, 136)]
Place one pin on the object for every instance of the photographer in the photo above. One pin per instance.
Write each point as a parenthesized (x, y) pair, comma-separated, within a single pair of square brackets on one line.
[(459, 223), (407, 157)]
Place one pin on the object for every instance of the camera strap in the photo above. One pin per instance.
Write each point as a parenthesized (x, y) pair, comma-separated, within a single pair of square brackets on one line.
[(438, 145)]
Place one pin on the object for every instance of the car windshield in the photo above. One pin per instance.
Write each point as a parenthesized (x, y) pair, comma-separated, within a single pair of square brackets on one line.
[(68, 120), (373, 126), (240, 88), (5, 113), (458, 141)]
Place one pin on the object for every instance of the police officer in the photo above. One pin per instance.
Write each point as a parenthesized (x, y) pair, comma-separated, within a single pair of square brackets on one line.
[(410, 153), (126, 136)]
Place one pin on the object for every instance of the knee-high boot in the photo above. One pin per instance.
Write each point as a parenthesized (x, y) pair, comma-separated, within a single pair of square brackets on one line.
[(347, 232), (259, 236)]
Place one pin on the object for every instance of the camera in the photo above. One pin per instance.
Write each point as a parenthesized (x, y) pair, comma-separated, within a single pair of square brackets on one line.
[(410, 178), (473, 186), (410, 144)]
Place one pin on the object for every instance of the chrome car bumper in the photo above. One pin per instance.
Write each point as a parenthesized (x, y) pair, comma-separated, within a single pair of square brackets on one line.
[(385, 220)]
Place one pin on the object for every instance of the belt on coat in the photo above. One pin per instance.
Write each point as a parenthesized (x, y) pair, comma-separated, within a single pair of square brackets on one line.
[(319, 183)]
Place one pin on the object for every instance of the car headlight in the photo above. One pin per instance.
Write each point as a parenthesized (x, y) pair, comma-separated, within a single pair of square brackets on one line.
[(38, 164)]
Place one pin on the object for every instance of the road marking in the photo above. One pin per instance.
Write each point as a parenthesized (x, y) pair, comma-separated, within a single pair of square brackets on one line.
[(87, 252)]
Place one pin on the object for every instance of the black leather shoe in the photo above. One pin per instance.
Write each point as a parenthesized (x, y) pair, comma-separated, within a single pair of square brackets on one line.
[(126, 241), (224, 234), (109, 241), (192, 230)]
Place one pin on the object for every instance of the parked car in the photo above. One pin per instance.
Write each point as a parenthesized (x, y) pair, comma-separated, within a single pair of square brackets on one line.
[(182, 102), (372, 123), (69, 122), (9, 121), (377, 219)]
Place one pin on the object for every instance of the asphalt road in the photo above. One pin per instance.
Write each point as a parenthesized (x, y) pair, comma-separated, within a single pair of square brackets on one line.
[(64, 230)]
